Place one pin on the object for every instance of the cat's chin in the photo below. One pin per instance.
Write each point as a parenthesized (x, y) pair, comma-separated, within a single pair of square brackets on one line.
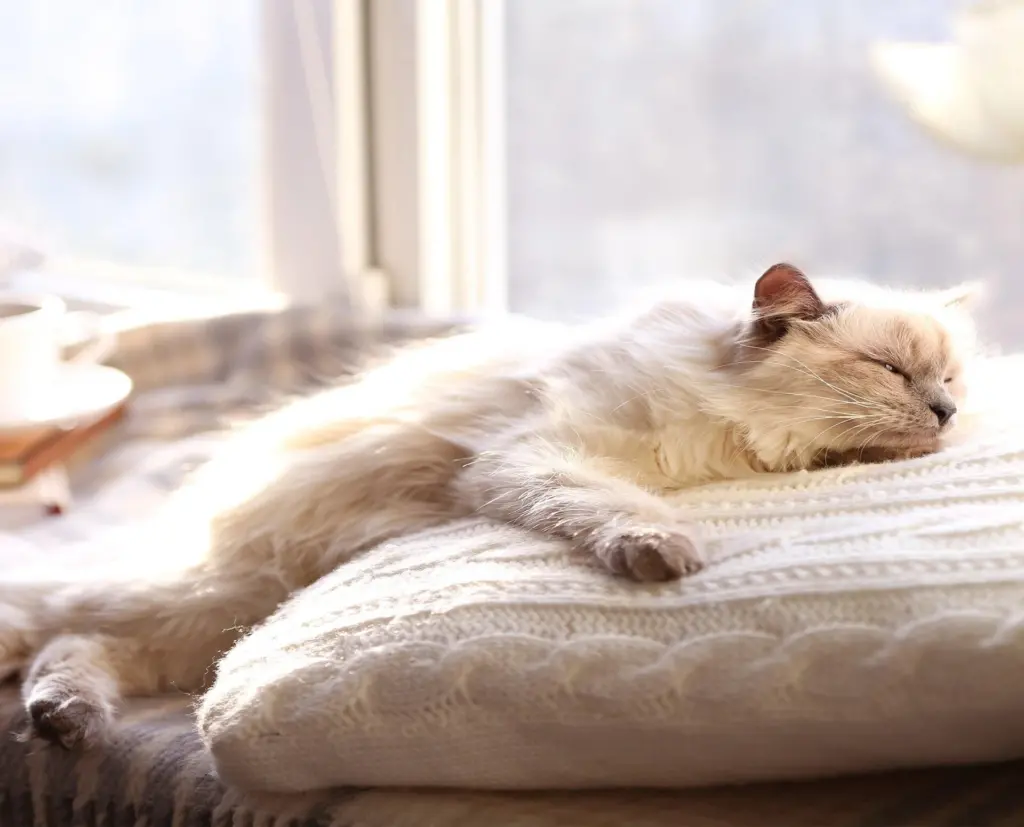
[(927, 442), (916, 445), (905, 449)]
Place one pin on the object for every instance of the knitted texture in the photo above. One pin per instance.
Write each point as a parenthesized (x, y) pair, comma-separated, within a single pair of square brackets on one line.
[(854, 619)]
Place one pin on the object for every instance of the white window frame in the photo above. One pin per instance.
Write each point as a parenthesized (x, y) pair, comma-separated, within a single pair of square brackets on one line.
[(436, 107), (299, 231), (383, 175)]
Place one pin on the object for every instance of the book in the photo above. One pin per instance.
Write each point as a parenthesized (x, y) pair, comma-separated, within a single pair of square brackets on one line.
[(25, 454)]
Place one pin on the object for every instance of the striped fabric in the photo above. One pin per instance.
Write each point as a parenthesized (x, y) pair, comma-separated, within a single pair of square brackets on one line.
[(195, 377), (154, 772)]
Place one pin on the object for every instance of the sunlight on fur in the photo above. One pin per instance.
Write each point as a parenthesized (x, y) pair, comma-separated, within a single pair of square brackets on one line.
[(573, 432)]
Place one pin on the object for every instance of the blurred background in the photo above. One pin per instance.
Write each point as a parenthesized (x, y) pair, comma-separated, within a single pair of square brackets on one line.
[(548, 157)]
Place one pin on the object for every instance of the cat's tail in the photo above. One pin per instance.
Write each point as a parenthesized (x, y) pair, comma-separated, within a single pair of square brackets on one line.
[(19, 625)]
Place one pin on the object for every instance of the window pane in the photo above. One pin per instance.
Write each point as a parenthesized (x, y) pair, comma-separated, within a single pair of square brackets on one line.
[(129, 131), (657, 138)]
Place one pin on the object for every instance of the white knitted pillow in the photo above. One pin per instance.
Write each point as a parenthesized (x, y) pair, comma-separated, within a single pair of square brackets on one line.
[(855, 619)]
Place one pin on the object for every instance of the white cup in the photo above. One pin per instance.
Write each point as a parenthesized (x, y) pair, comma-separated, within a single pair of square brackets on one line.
[(34, 330)]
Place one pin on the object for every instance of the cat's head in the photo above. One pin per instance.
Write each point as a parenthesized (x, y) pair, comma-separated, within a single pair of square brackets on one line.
[(850, 368)]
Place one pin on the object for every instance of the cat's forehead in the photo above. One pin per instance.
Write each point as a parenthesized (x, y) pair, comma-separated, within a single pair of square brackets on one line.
[(916, 340)]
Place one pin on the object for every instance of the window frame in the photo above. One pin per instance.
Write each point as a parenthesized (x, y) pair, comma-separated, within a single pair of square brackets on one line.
[(383, 183), (318, 227), (436, 113), (299, 229)]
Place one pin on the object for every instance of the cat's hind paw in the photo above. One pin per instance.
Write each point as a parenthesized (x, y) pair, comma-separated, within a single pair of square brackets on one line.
[(58, 715), (650, 555)]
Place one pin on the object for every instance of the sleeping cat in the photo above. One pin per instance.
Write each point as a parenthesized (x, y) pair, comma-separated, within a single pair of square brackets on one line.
[(573, 432)]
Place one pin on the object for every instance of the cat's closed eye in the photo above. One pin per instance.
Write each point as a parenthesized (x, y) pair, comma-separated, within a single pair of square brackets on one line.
[(892, 368)]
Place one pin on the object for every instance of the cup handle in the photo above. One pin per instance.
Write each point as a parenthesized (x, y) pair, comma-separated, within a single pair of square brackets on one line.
[(98, 343)]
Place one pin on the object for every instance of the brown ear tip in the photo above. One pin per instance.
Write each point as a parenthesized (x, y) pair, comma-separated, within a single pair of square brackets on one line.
[(781, 276), (784, 268)]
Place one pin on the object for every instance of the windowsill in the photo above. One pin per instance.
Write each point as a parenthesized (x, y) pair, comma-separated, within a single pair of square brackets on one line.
[(132, 301)]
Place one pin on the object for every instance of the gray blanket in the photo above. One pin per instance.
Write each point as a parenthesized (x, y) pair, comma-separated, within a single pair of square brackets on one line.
[(155, 773)]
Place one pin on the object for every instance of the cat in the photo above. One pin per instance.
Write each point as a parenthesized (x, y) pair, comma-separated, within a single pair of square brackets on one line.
[(570, 431)]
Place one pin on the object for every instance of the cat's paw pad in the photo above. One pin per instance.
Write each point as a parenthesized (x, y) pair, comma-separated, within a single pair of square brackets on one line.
[(651, 555), (67, 719)]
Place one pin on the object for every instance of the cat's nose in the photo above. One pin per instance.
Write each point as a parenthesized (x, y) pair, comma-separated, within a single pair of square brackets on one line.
[(943, 411)]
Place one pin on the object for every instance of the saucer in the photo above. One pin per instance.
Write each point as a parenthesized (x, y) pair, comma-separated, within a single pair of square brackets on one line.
[(80, 392)]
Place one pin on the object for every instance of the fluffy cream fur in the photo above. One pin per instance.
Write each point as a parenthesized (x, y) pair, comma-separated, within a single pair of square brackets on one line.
[(573, 432)]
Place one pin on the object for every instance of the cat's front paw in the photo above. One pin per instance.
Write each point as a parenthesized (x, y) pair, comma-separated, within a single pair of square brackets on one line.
[(650, 555)]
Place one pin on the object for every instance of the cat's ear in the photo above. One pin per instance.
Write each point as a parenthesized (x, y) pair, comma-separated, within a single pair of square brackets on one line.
[(782, 295)]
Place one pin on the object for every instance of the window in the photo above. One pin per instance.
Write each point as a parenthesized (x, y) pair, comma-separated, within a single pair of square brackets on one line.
[(641, 141), (176, 153), (130, 133), (549, 158), (653, 139)]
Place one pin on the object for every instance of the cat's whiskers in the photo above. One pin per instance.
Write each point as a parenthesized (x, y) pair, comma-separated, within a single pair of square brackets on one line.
[(867, 444), (810, 372), (848, 396), (822, 417), (845, 396), (855, 428), (811, 442), (855, 431), (836, 406), (800, 394)]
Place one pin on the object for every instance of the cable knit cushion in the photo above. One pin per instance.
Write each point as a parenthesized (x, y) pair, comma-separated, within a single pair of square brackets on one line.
[(855, 619)]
